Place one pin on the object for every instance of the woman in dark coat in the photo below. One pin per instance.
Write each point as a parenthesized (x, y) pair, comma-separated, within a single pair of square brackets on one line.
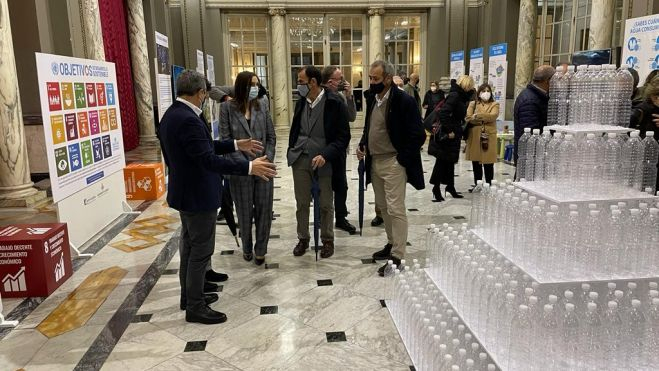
[(451, 118), (645, 116), (432, 97)]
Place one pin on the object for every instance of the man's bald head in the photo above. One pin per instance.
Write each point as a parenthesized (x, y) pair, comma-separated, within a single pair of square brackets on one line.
[(414, 78), (542, 75)]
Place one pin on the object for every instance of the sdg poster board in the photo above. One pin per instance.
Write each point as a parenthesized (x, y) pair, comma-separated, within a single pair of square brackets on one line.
[(163, 77), (497, 73), (82, 122), (476, 68), (641, 45), (457, 64)]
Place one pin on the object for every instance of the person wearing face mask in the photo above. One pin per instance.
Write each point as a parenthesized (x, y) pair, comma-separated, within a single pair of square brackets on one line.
[(411, 87), (482, 138), (645, 116), (391, 144), (195, 173), (318, 139), (332, 80), (245, 118), (432, 98)]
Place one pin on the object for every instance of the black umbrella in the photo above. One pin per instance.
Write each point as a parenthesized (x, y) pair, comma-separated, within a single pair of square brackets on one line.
[(227, 211), (362, 188), (315, 193)]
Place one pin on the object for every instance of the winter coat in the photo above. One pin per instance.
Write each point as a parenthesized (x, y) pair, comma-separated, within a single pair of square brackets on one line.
[(488, 111), (451, 118), (530, 111), (431, 99)]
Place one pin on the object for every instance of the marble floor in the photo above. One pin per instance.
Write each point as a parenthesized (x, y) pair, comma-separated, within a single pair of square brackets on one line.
[(292, 314)]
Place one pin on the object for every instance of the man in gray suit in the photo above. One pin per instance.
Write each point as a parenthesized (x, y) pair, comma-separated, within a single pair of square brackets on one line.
[(333, 81), (319, 137)]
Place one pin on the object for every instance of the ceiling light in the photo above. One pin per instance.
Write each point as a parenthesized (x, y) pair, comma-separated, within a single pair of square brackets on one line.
[(234, 45), (404, 23)]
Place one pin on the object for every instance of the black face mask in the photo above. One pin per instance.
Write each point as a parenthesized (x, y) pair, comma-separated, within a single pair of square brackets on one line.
[(377, 88)]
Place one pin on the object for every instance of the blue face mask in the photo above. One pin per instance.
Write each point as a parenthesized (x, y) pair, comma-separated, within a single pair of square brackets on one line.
[(253, 93), (303, 90)]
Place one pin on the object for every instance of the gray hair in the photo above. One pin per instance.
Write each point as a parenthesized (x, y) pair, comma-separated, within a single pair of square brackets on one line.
[(189, 83), (543, 73), (387, 67)]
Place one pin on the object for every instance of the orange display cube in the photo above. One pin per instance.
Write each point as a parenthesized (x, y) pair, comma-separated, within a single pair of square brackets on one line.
[(144, 181)]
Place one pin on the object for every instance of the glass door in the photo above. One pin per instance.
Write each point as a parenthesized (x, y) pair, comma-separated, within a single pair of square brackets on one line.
[(322, 40)]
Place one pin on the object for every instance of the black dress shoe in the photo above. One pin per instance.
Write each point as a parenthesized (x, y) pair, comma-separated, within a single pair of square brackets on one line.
[(211, 287), (259, 261), (248, 257), (213, 276), (220, 217), (377, 221), (208, 299), (205, 315), (344, 224), (396, 261), (385, 253)]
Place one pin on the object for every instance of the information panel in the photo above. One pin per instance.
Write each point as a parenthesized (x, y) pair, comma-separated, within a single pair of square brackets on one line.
[(457, 64), (476, 68), (163, 77), (641, 47), (82, 121), (498, 75)]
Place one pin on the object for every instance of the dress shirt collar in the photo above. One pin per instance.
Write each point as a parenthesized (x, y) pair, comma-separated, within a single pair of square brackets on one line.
[(317, 100), (384, 99), (196, 109)]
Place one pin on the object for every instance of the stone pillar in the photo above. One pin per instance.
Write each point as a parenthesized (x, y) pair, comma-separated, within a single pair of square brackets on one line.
[(139, 56), (16, 187), (375, 34), (281, 91), (92, 33), (601, 24), (528, 19)]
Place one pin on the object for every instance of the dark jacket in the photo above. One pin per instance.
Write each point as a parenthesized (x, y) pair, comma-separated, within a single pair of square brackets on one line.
[(337, 127), (451, 117), (195, 169), (530, 111), (431, 99), (642, 118), (405, 132)]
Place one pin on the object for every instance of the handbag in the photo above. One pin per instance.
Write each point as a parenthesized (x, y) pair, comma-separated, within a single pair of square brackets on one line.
[(484, 139)]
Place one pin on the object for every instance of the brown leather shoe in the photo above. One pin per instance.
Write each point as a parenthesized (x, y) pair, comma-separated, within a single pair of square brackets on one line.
[(327, 250), (301, 247)]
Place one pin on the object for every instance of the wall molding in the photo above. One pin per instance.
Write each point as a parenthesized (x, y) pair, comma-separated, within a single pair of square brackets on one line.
[(315, 5)]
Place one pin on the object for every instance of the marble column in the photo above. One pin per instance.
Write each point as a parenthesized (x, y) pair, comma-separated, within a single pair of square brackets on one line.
[(92, 33), (528, 19), (375, 34), (16, 188), (281, 91), (139, 55), (601, 24)]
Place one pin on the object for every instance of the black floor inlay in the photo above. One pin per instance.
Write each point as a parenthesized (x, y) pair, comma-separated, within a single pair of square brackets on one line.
[(276, 187), (456, 175), (335, 337), (269, 310), (272, 266), (170, 271), (195, 346), (371, 203), (274, 236), (325, 283), (276, 215), (355, 178), (505, 173), (368, 261), (409, 244), (227, 252), (142, 318), (412, 368), (412, 209), (458, 217), (383, 304), (277, 199)]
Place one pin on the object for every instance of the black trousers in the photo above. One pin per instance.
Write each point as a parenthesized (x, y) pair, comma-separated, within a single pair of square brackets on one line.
[(196, 248), (340, 187), (478, 172), (443, 173)]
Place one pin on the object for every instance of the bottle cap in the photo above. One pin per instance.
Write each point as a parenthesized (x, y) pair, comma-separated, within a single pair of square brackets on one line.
[(456, 342), (636, 303), (592, 306), (613, 304), (655, 301), (654, 294), (510, 296), (462, 352), (442, 347), (537, 208), (470, 362), (536, 131), (553, 299), (553, 208), (590, 136), (460, 327), (542, 202), (550, 214), (523, 308), (482, 356), (654, 211), (616, 212), (574, 213), (475, 346), (548, 308), (593, 295), (653, 285), (619, 294), (649, 134), (632, 285), (491, 367), (634, 134), (642, 205), (569, 294), (594, 213), (614, 207), (611, 285), (569, 307), (622, 204), (533, 300), (448, 357), (613, 135), (528, 291), (455, 368), (574, 207), (568, 136), (592, 206), (635, 212)]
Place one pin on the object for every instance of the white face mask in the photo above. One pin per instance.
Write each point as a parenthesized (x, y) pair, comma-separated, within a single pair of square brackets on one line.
[(486, 95), (433, 89)]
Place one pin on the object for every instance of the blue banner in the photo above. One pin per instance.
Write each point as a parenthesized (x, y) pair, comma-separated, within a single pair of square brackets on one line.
[(498, 49), (458, 56), (476, 53)]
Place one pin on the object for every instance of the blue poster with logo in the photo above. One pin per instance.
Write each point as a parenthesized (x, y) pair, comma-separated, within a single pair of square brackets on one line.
[(75, 160), (640, 50)]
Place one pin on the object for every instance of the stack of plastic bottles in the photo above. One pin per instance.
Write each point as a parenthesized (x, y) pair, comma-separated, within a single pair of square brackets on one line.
[(599, 165), (591, 96)]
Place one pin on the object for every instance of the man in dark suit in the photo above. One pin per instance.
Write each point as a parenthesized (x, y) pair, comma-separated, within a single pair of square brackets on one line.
[(392, 140), (319, 136), (195, 172)]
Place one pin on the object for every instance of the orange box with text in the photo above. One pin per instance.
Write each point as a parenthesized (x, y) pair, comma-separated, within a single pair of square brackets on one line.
[(144, 181)]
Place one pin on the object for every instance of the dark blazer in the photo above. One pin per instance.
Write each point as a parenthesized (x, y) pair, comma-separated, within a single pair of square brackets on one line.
[(451, 117), (406, 133), (530, 111), (195, 169), (233, 125), (337, 127)]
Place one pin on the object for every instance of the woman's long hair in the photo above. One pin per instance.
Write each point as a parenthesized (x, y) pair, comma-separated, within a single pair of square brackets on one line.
[(482, 89), (241, 91)]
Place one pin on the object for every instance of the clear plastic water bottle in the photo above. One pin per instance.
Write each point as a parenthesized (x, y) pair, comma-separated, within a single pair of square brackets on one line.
[(632, 154), (590, 159), (539, 172), (578, 95), (636, 334), (597, 83), (564, 98), (551, 163), (572, 337), (566, 170), (552, 107), (531, 147), (613, 336), (521, 154), (612, 162), (592, 336), (649, 164), (624, 84)]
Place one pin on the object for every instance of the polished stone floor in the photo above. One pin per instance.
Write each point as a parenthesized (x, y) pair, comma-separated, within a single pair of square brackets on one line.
[(293, 314)]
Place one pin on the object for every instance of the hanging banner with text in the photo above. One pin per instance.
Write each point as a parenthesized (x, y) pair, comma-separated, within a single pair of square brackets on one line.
[(476, 68), (200, 61), (163, 77), (82, 122), (641, 45), (457, 64), (497, 75)]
